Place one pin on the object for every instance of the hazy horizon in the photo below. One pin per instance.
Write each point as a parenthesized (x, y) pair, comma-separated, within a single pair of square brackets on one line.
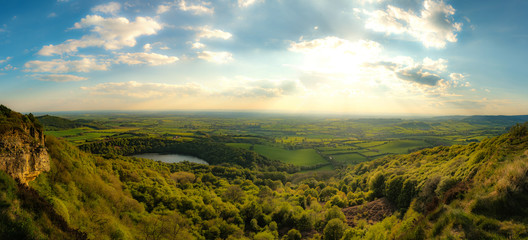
[(359, 57)]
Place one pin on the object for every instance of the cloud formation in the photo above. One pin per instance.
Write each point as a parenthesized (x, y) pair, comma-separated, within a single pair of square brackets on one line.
[(249, 88), (152, 59), (434, 26), (109, 8), (5, 60), (144, 90), (240, 87), (333, 55), (194, 7), (247, 3), (59, 78), (62, 66), (425, 72), (197, 45), (163, 9), (110, 33), (208, 32), (216, 57), (198, 8)]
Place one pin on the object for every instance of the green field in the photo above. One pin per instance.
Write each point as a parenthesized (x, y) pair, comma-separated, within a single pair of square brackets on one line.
[(301, 157), (347, 140)]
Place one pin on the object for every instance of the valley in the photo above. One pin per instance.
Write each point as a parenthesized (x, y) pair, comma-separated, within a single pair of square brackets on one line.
[(290, 178)]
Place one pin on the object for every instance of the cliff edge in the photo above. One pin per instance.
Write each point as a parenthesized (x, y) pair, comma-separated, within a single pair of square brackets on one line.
[(23, 154)]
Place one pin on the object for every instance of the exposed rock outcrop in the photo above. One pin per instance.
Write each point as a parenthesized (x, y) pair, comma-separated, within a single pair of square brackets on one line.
[(23, 154)]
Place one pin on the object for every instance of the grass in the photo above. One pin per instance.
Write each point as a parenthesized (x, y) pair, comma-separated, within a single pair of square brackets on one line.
[(300, 157), (66, 133), (353, 158), (400, 146), (370, 144)]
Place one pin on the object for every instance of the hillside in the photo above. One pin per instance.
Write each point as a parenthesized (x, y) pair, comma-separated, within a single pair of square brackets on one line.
[(57, 123), (476, 191)]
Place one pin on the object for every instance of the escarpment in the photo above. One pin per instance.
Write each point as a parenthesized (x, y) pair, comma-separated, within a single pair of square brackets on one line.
[(22, 151)]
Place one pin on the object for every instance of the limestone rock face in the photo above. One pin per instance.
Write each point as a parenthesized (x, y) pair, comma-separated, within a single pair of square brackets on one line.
[(23, 154)]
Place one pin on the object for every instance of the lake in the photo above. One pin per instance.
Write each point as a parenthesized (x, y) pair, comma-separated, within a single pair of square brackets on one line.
[(170, 158)]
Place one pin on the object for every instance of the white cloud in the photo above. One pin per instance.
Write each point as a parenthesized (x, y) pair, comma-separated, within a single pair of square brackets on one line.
[(253, 88), (8, 67), (62, 66), (439, 65), (152, 59), (434, 26), (109, 8), (147, 47), (216, 57), (247, 3), (207, 32), (329, 44), (52, 15), (163, 9), (198, 8), (197, 45), (338, 66), (110, 33), (371, 1), (457, 76), (145, 90), (240, 87), (59, 78), (5, 60), (334, 55)]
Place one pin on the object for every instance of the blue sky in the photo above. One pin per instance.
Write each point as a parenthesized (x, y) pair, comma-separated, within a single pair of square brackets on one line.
[(341, 56)]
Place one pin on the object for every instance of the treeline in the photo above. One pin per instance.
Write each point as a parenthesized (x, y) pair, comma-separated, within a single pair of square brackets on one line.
[(215, 153)]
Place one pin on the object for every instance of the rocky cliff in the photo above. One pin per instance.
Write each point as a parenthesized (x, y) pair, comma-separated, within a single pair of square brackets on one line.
[(23, 154)]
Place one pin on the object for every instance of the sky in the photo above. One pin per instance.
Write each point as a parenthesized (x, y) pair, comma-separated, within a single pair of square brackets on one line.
[(382, 57)]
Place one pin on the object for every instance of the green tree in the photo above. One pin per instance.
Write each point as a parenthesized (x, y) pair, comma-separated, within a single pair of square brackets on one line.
[(334, 230), (293, 234), (377, 185), (394, 187)]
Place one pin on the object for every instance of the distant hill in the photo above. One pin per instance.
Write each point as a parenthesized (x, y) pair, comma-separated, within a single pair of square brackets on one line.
[(500, 120), (53, 123)]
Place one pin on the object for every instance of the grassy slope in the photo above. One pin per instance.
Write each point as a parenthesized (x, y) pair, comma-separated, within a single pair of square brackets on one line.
[(478, 191)]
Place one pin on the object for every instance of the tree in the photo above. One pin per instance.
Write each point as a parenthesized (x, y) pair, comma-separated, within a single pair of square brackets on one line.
[(234, 194), (407, 193), (334, 230), (394, 187), (377, 185), (293, 234)]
